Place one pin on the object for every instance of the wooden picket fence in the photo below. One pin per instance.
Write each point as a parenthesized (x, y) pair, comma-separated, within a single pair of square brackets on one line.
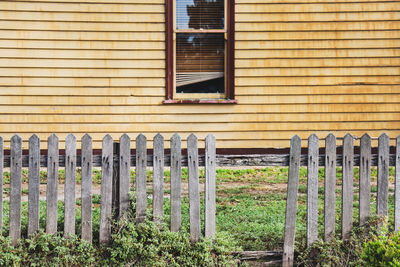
[(115, 162), (347, 161)]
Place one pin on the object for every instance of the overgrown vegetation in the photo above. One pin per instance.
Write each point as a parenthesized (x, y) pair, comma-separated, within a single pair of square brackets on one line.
[(145, 244), (250, 213)]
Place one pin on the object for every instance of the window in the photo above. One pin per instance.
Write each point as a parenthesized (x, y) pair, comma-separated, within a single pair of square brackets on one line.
[(200, 51)]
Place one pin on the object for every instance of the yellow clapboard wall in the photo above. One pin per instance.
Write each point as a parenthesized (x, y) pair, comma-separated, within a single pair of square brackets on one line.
[(98, 66)]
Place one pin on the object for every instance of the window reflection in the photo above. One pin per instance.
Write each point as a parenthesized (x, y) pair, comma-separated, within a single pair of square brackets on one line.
[(199, 14), (200, 63)]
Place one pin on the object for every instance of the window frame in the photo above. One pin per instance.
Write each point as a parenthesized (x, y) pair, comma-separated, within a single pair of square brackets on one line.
[(229, 58)]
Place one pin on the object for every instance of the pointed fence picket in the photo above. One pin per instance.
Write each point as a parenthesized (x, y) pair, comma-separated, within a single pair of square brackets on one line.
[(117, 160)]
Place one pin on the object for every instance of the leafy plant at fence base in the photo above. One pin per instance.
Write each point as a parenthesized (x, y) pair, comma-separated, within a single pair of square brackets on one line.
[(382, 250), (338, 252)]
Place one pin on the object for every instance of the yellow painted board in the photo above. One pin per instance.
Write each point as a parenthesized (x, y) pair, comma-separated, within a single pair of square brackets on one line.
[(107, 1), (310, 2), (201, 109), (83, 91), (160, 73), (239, 90), (318, 35), (314, 53), (106, 45), (311, 81), (82, 17), (79, 82), (265, 99), (317, 7), (311, 99), (81, 54), (81, 36), (317, 44), (318, 26), (290, 17), (83, 7), (199, 127), (314, 63), (77, 73), (203, 118), (82, 26), (86, 63), (340, 71), (80, 100), (317, 90)]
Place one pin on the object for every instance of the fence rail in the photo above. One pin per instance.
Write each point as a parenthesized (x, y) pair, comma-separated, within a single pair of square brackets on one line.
[(115, 162), (221, 160)]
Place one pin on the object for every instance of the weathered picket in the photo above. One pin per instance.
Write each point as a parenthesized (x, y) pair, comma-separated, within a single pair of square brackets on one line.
[(15, 188), (52, 184), (86, 187), (114, 194), (34, 184)]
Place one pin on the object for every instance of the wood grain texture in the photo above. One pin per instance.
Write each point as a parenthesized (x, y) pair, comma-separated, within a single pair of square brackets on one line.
[(69, 188), (124, 174), (158, 178), (383, 176), (365, 179), (15, 188), (34, 185), (141, 164), (291, 201), (330, 187), (312, 189), (397, 188), (86, 193), (194, 191), (52, 184), (210, 186), (1, 180), (115, 181), (347, 186), (176, 181), (106, 190)]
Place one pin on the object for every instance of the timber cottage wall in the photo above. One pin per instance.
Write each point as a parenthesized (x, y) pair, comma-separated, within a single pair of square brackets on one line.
[(98, 66)]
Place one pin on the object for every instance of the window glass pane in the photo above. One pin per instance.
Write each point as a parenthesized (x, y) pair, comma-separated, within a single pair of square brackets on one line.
[(200, 63), (199, 14)]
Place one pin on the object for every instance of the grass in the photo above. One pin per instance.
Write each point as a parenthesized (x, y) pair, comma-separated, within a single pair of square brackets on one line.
[(250, 204)]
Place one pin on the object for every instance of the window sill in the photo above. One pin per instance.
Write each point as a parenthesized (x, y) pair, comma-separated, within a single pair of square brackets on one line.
[(200, 101)]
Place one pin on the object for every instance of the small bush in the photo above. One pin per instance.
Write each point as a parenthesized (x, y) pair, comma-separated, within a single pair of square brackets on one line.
[(383, 250)]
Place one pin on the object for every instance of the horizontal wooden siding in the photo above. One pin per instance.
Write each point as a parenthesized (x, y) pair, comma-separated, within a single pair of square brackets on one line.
[(98, 66)]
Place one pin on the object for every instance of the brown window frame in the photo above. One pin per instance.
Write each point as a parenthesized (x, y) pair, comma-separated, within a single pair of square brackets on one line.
[(230, 58)]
